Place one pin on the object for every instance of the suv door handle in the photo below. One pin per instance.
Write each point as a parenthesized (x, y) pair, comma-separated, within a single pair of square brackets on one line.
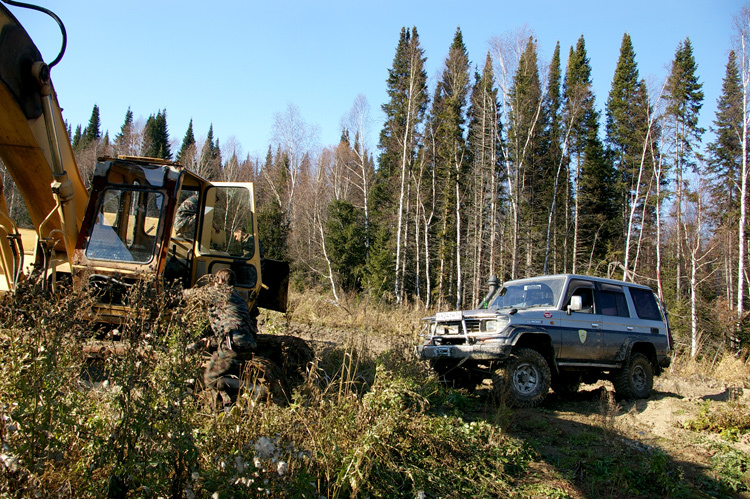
[(630, 328), (594, 324)]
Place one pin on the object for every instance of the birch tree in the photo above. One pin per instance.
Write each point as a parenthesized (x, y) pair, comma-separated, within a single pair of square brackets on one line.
[(508, 52), (700, 258), (295, 139), (742, 29), (359, 121), (724, 163), (400, 136), (684, 100), (484, 139), (448, 113)]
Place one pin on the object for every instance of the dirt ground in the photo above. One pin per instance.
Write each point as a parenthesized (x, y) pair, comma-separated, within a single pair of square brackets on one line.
[(562, 423), (643, 426)]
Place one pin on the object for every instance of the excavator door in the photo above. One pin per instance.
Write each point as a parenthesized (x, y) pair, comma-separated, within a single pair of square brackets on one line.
[(227, 236)]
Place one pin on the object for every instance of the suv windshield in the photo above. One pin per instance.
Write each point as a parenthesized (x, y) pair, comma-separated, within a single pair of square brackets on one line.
[(529, 293)]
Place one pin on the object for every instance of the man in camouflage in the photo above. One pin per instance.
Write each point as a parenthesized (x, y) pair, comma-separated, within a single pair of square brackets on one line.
[(233, 330), (187, 214)]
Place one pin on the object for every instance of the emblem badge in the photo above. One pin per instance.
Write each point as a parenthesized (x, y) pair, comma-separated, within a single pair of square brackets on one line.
[(582, 335)]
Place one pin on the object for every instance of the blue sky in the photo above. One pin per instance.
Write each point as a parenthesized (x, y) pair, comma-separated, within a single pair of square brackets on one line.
[(235, 64)]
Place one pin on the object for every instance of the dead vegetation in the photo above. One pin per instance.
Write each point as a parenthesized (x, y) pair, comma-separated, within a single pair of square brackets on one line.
[(368, 420)]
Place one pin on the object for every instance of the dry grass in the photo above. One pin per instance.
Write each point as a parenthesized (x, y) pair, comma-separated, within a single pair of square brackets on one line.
[(728, 368), (354, 311), (362, 424), (365, 422)]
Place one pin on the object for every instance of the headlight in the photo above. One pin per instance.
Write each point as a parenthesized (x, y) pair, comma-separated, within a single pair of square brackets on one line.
[(496, 325)]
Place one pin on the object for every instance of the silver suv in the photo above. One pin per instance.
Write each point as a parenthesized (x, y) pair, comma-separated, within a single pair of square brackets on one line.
[(553, 331)]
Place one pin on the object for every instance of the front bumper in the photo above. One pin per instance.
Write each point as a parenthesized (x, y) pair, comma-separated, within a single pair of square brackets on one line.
[(487, 351)]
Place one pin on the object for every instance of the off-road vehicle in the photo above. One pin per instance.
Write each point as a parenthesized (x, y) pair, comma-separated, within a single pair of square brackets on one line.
[(552, 331)]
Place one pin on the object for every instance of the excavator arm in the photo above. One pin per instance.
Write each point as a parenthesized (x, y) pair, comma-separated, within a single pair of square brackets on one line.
[(34, 144)]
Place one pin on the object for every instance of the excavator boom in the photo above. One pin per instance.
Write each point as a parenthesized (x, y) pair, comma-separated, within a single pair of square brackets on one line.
[(34, 145)]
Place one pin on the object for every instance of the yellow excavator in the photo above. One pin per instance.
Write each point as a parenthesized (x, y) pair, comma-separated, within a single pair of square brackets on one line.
[(141, 217), (141, 220)]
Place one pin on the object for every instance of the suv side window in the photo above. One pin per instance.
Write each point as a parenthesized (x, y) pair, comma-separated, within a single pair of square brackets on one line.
[(645, 304), (585, 290), (612, 303)]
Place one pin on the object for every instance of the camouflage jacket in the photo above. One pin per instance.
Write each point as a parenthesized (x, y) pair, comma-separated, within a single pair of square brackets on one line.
[(228, 316), (186, 216)]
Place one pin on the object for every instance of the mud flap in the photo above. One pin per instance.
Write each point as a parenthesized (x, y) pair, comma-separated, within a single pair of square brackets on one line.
[(273, 294)]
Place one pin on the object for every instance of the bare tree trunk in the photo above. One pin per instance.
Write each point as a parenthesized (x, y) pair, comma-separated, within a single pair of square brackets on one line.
[(553, 206), (427, 225), (397, 279), (694, 333), (405, 242), (699, 258), (417, 233), (575, 215), (743, 22), (406, 152), (658, 174), (493, 212), (328, 260), (441, 272), (636, 194), (641, 229), (459, 269)]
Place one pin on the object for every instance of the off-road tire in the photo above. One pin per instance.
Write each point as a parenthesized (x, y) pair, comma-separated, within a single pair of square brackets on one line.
[(524, 380), (636, 378)]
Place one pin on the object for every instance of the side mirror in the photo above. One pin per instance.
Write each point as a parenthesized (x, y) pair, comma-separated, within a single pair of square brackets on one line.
[(576, 304)]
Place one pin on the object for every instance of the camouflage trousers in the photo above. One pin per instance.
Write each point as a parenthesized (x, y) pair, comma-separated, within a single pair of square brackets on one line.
[(224, 363)]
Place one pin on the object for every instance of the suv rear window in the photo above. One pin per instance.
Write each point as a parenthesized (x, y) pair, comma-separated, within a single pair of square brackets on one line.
[(612, 303), (645, 304)]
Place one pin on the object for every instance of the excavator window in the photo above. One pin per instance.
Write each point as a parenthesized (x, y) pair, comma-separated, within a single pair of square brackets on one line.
[(228, 224), (227, 236), (127, 224)]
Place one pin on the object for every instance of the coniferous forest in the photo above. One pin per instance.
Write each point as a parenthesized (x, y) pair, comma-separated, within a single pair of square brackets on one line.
[(506, 167)]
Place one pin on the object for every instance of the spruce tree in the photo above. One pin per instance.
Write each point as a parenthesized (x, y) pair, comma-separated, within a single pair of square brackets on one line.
[(345, 235), (593, 174), (725, 152), (187, 142), (399, 140), (525, 134), (724, 164), (124, 138), (156, 137), (209, 163), (451, 160), (485, 179), (77, 138), (406, 106), (556, 169), (630, 140), (684, 97), (92, 132)]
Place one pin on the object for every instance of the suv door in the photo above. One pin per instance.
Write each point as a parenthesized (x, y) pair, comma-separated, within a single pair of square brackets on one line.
[(617, 323), (581, 329)]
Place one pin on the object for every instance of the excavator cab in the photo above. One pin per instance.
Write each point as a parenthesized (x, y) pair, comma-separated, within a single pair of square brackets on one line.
[(150, 217), (141, 219)]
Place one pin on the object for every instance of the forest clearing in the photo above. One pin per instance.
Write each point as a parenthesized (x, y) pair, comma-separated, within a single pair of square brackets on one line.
[(510, 169), (370, 420)]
